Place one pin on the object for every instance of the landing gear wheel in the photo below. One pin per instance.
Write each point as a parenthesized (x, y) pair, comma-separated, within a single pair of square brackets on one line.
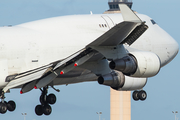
[(45, 100), (51, 99), (135, 95), (3, 107), (11, 106), (39, 110), (142, 95), (47, 109), (42, 99)]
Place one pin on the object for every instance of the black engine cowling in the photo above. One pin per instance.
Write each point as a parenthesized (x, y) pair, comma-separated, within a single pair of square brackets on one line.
[(127, 65), (118, 81), (115, 80)]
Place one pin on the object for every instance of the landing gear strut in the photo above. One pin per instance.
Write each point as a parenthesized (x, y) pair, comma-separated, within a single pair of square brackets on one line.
[(45, 100), (4, 106), (139, 95)]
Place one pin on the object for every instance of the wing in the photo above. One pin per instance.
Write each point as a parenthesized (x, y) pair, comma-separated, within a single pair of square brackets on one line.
[(123, 33), (126, 32)]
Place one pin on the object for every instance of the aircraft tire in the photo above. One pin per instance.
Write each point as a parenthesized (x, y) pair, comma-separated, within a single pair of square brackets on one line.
[(42, 101), (47, 109), (51, 99), (11, 106), (142, 95), (3, 108), (135, 95), (39, 110)]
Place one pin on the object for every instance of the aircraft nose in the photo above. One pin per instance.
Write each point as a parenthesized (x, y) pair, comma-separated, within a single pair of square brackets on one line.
[(177, 47), (169, 44), (173, 49)]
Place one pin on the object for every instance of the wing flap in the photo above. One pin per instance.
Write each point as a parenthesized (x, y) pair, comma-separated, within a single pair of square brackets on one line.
[(23, 80), (24, 74), (68, 59)]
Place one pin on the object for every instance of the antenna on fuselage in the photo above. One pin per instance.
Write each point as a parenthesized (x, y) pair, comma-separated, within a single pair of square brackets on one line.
[(114, 5)]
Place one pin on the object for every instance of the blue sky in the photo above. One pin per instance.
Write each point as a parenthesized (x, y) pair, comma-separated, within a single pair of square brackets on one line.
[(82, 101)]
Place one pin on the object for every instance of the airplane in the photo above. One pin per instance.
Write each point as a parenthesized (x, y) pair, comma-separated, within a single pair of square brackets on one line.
[(117, 50)]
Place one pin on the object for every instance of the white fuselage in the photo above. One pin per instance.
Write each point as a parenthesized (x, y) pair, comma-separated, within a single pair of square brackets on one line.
[(35, 44)]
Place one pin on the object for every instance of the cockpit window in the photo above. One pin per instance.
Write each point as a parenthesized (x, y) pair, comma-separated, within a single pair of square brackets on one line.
[(153, 22)]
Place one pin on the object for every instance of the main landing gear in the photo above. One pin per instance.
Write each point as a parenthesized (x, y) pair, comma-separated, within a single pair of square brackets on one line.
[(45, 100), (139, 95), (4, 106)]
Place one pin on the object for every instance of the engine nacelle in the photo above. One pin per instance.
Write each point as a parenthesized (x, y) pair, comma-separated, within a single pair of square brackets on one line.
[(118, 81), (115, 79), (132, 83), (137, 64), (127, 65)]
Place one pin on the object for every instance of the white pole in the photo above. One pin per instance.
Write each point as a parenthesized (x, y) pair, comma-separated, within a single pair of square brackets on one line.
[(99, 115), (24, 114), (175, 113)]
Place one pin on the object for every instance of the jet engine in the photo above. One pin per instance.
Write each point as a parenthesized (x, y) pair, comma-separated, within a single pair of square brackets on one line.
[(118, 81), (137, 64)]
